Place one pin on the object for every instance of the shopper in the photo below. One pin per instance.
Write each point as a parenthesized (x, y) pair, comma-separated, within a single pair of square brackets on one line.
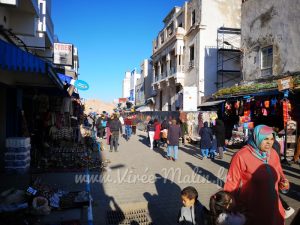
[(223, 210), (219, 130), (128, 128), (255, 177), (174, 133), (99, 126), (192, 212), (206, 139), (157, 133), (151, 131), (184, 131), (115, 127)]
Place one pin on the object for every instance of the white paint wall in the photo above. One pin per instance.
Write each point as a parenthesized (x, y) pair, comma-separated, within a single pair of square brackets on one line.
[(126, 86), (270, 22), (211, 14)]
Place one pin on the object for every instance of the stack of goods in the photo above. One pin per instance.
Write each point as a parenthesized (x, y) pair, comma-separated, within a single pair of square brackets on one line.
[(238, 136), (68, 158), (17, 155)]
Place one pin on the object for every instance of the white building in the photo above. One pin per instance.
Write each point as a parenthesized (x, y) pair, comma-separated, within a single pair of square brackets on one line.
[(134, 76), (144, 90), (185, 51), (126, 86)]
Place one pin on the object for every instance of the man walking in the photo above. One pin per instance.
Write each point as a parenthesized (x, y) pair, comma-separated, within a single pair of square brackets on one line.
[(115, 128), (174, 133)]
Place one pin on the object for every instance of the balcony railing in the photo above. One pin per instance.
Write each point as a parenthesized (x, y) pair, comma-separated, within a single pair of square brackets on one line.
[(159, 42)]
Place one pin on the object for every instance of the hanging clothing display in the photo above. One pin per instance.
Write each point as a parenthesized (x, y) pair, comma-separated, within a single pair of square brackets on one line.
[(286, 107)]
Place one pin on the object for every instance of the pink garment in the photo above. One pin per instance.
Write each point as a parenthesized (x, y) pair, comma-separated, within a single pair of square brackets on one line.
[(108, 133), (255, 186)]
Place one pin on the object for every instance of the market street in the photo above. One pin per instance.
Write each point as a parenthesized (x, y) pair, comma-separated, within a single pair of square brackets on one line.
[(125, 189)]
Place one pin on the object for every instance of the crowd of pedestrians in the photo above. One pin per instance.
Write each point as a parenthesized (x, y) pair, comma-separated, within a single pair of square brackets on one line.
[(255, 171)]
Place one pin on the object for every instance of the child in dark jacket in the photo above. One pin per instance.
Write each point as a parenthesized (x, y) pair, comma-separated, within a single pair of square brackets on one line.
[(193, 212), (223, 210)]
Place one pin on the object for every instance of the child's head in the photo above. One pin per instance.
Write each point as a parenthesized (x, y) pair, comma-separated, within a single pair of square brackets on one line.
[(189, 196), (221, 202)]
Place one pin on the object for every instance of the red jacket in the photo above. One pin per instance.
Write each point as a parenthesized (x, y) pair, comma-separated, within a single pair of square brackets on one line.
[(255, 186), (128, 122), (157, 131)]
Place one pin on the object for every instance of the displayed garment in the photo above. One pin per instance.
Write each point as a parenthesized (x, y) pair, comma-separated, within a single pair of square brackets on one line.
[(43, 103), (286, 106), (66, 106)]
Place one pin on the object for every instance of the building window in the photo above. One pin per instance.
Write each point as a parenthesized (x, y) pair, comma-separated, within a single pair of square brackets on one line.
[(170, 29), (162, 39), (193, 17), (267, 57), (267, 60), (180, 20), (192, 56), (192, 53)]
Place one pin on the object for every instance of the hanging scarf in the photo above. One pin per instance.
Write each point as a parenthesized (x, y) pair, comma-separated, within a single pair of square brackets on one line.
[(259, 134)]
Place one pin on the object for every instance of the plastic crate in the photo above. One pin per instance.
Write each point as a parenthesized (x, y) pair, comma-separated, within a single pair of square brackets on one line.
[(16, 155), (19, 149), (17, 163), (16, 142), (19, 170)]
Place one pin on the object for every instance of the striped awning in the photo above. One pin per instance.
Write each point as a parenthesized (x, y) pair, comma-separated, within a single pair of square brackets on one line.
[(14, 58)]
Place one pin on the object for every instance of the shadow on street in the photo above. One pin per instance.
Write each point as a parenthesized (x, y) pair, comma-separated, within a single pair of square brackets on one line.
[(164, 206)]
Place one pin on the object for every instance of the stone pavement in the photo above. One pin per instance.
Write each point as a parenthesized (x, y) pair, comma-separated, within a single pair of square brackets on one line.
[(160, 187), (141, 178)]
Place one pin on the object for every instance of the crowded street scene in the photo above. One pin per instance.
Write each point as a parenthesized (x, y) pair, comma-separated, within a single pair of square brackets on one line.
[(149, 112)]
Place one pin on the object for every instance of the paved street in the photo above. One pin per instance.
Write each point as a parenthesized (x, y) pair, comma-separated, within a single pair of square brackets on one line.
[(124, 188), (161, 188)]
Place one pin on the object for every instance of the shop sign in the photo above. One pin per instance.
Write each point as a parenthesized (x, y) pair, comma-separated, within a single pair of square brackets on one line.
[(81, 85), (9, 2), (122, 100), (63, 54), (190, 99), (285, 83)]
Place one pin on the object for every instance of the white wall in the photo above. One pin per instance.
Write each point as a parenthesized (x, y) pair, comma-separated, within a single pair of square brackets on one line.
[(126, 86), (229, 15), (270, 22)]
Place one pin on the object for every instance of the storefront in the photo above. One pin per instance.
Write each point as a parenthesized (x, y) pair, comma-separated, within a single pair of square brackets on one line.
[(259, 103)]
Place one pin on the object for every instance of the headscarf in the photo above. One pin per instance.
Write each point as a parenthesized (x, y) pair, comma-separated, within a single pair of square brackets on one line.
[(259, 134)]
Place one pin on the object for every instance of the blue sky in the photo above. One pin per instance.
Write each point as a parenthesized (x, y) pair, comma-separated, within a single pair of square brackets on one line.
[(112, 37)]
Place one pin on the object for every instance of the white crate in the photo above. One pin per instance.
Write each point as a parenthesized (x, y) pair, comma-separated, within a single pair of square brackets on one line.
[(16, 142), (17, 163), (18, 169)]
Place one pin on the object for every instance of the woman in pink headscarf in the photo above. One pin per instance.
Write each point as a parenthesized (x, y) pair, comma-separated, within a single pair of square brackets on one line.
[(255, 177)]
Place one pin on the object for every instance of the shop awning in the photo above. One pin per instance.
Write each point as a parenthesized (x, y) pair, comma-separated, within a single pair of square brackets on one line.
[(14, 58), (213, 103), (64, 78)]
